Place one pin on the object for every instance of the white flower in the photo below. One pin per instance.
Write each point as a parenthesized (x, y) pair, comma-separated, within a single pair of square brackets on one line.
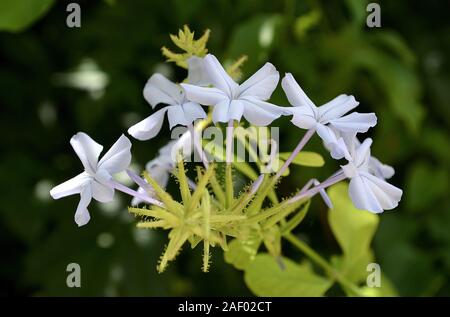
[(346, 142), (307, 116), (231, 101), (94, 181), (180, 111), (367, 191)]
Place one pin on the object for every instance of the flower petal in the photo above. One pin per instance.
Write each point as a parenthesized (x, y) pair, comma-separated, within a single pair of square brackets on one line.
[(379, 169), (82, 216), (295, 93), (260, 113), (355, 122), (303, 117), (87, 150), (261, 84), (336, 108), (118, 156), (236, 110), (218, 76), (101, 192), (176, 116), (70, 187), (196, 72), (204, 96), (193, 111), (388, 196), (149, 127), (159, 89), (362, 196), (220, 111), (362, 154)]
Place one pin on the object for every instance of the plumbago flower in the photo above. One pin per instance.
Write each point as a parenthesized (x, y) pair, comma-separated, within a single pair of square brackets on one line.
[(306, 115), (367, 191), (347, 142), (180, 111), (231, 101), (95, 181), (215, 209)]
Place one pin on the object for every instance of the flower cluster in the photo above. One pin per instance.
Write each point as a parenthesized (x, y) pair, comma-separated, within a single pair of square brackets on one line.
[(210, 210)]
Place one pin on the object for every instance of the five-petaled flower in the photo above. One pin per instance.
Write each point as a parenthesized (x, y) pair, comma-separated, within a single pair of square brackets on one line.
[(306, 115), (94, 182), (231, 101), (180, 111), (367, 191)]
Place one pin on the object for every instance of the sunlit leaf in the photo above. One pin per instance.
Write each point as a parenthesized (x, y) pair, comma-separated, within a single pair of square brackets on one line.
[(353, 230), (266, 276), (305, 158)]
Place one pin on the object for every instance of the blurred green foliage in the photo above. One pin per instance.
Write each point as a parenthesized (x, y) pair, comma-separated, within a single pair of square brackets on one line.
[(55, 81)]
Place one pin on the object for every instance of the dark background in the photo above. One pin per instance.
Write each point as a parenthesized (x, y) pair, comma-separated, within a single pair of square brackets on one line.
[(56, 81)]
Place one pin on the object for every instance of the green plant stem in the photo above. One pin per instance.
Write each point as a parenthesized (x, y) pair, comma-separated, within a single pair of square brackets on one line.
[(228, 171), (316, 258)]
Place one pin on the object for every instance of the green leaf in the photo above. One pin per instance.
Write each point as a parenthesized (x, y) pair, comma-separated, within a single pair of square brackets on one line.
[(265, 277), (17, 15), (386, 289), (353, 229), (305, 158), (241, 253)]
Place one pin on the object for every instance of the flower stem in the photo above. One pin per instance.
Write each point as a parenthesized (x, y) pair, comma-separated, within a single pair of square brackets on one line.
[(311, 192), (319, 260), (294, 153), (265, 189), (131, 192), (229, 195)]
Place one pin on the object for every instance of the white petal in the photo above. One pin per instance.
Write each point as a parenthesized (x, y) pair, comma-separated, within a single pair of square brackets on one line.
[(204, 96), (379, 169), (362, 154), (149, 127), (362, 195), (220, 111), (303, 117), (387, 195), (193, 111), (260, 113), (336, 108), (101, 192), (236, 110), (70, 187), (196, 72), (261, 84), (159, 89), (218, 76), (176, 116), (82, 216), (87, 150), (118, 156), (355, 122), (295, 93)]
